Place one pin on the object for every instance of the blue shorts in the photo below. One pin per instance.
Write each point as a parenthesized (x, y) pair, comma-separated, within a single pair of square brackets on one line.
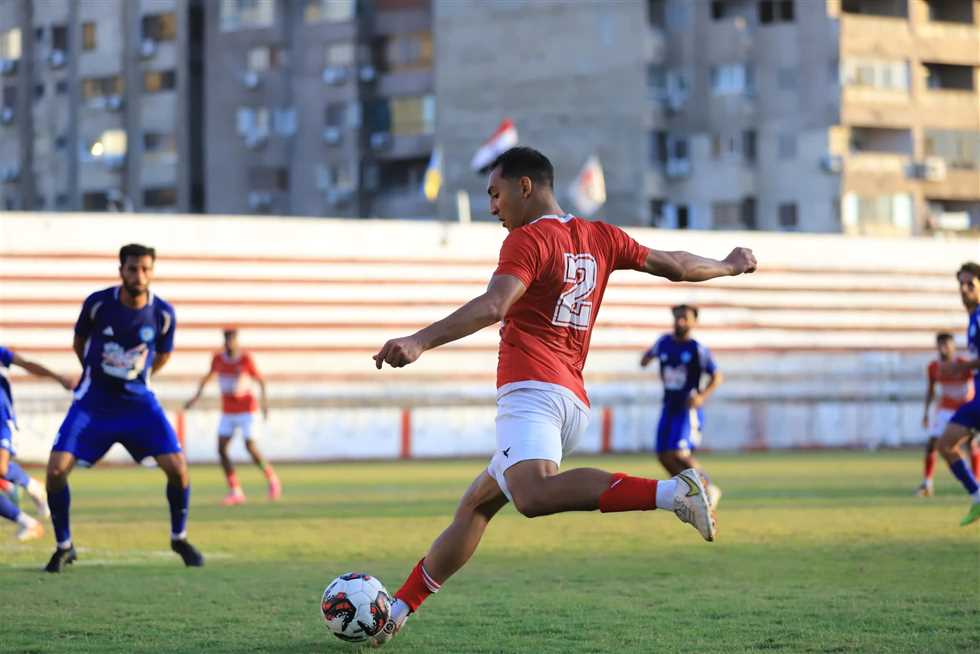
[(7, 429), (141, 427), (679, 430), (968, 415)]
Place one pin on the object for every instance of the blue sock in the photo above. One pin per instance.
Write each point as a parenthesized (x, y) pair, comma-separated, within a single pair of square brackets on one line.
[(60, 503), (8, 509), (962, 472), (179, 499), (17, 475)]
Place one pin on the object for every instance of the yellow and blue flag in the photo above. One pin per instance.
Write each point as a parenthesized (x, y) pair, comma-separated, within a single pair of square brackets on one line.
[(432, 181)]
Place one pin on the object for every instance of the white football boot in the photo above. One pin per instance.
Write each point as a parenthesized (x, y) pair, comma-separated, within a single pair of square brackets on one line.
[(691, 504), (396, 621), (714, 496)]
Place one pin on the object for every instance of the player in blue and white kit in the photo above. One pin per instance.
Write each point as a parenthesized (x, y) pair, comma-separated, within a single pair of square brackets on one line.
[(960, 427), (27, 527), (123, 335), (683, 364)]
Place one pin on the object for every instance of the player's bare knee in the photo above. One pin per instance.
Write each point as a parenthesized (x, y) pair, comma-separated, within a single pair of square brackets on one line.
[(532, 503)]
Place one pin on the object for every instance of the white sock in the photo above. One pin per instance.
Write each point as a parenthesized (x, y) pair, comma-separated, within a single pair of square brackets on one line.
[(399, 610), (181, 536), (975, 497), (665, 493), (35, 488), (64, 544), (25, 520)]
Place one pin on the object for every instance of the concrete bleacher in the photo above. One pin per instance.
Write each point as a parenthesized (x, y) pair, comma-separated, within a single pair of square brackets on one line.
[(825, 345)]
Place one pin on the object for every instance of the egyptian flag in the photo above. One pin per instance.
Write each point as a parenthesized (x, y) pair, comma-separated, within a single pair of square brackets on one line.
[(503, 139), (589, 190)]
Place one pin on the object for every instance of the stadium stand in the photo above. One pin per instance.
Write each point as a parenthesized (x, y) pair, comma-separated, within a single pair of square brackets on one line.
[(824, 346)]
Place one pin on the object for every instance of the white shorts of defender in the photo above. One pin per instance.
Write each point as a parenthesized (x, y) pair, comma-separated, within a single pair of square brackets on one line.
[(231, 422), (533, 423), (938, 419)]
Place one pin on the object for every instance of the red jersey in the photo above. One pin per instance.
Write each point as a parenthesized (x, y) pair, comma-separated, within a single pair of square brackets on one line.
[(234, 378), (564, 262), (954, 390)]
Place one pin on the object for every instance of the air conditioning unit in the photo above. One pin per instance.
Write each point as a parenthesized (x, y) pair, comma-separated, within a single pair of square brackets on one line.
[(256, 140), (7, 115), (678, 168), (114, 103), (380, 140), (334, 75), (251, 79), (148, 48), (367, 73), (57, 58), (934, 169), (8, 66), (332, 135), (259, 200), (832, 163)]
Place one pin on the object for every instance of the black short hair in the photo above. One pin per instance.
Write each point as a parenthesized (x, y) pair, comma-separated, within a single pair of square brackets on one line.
[(942, 337), (135, 250), (685, 307), (522, 161), (229, 331), (971, 267)]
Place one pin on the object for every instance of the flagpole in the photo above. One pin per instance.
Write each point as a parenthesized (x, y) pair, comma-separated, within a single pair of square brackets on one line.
[(463, 207)]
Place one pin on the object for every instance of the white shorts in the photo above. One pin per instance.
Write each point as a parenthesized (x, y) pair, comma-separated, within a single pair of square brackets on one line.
[(232, 421), (938, 420), (533, 423)]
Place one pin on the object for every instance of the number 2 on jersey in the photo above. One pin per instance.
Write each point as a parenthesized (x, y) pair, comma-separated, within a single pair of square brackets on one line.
[(574, 309)]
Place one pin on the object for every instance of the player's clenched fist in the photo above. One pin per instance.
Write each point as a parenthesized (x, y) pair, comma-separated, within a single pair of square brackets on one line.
[(741, 260), (398, 352)]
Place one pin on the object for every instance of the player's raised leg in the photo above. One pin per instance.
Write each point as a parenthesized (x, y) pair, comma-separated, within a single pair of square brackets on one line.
[(949, 448), (27, 527), (174, 466), (676, 435), (275, 486), (60, 465), (33, 487), (235, 493)]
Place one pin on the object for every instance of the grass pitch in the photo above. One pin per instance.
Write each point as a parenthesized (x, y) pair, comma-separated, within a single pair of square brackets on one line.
[(817, 552)]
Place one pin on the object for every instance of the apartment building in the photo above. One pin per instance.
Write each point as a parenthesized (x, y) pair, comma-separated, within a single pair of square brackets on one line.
[(98, 105)]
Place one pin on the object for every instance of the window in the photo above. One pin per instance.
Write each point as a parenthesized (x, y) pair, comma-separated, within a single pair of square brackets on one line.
[(658, 207), (717, 9), (338, 55), (61, 200), (268, 178), (342, 114), (732, 79), (247, 14), (156, 81), (59, 38), (160, 197), (10, 44), (787, 145), (776, 11), (951, 12), (402, 175), (88, 36), (159, 27), (949, 77), (871, 213), (38, 91), (403, 52), (724, 145), (748, 144), (656, 82), (159, 146), (658, 147), (9, 96), (413, 115), (61, 87), (98, 87), (253, 121), (38, 35), (683, 216), (788, 218), (656, 14), (95, 201), (331, 11), (876, 73), (265, 57), (959, 148)]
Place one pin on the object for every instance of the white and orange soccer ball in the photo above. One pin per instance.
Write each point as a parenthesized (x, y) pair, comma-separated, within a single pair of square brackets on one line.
[(355, 606)]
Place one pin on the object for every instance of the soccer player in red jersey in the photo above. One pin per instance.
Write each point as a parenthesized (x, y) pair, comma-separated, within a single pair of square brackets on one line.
[(955, 390), (547, 289), (235, 369)]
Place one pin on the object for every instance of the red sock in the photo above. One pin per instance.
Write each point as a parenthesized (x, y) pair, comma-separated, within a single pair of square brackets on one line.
[(417, 587), (232, 480), (930, 464), (269, 473), (627, 493), (975, 460)]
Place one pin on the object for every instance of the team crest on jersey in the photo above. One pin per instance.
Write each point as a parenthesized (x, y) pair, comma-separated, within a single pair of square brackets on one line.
[(146, 333), (685, 357)]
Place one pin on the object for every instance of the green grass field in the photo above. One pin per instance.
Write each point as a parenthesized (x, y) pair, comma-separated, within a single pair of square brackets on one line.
[(817, 552)]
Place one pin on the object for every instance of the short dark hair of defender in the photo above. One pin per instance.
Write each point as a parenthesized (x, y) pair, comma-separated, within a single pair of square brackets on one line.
[(971, 267), (942, 337), (136, 250), (522, 161), (685, 307)]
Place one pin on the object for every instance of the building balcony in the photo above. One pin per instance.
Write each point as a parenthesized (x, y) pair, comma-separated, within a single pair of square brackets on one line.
[(949, 109), (402, 146), (881, 36), (955, 184), (948, 43), (871, 106), (877, 163)]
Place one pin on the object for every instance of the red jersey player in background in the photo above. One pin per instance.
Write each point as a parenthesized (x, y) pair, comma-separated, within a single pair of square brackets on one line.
[(955, 390), (547, 289), (235, 369)]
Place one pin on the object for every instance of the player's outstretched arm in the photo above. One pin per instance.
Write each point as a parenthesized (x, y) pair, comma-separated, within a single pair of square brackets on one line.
[(200, 389), (483, 311), (683, 266), (36, 368)]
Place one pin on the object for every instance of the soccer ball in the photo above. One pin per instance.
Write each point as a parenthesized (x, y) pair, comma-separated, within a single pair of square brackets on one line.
[(356, 607)]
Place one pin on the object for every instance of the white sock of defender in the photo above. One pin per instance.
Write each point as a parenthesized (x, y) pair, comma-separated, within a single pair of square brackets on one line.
[(665, 493), (399, 611), (25, 520)]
